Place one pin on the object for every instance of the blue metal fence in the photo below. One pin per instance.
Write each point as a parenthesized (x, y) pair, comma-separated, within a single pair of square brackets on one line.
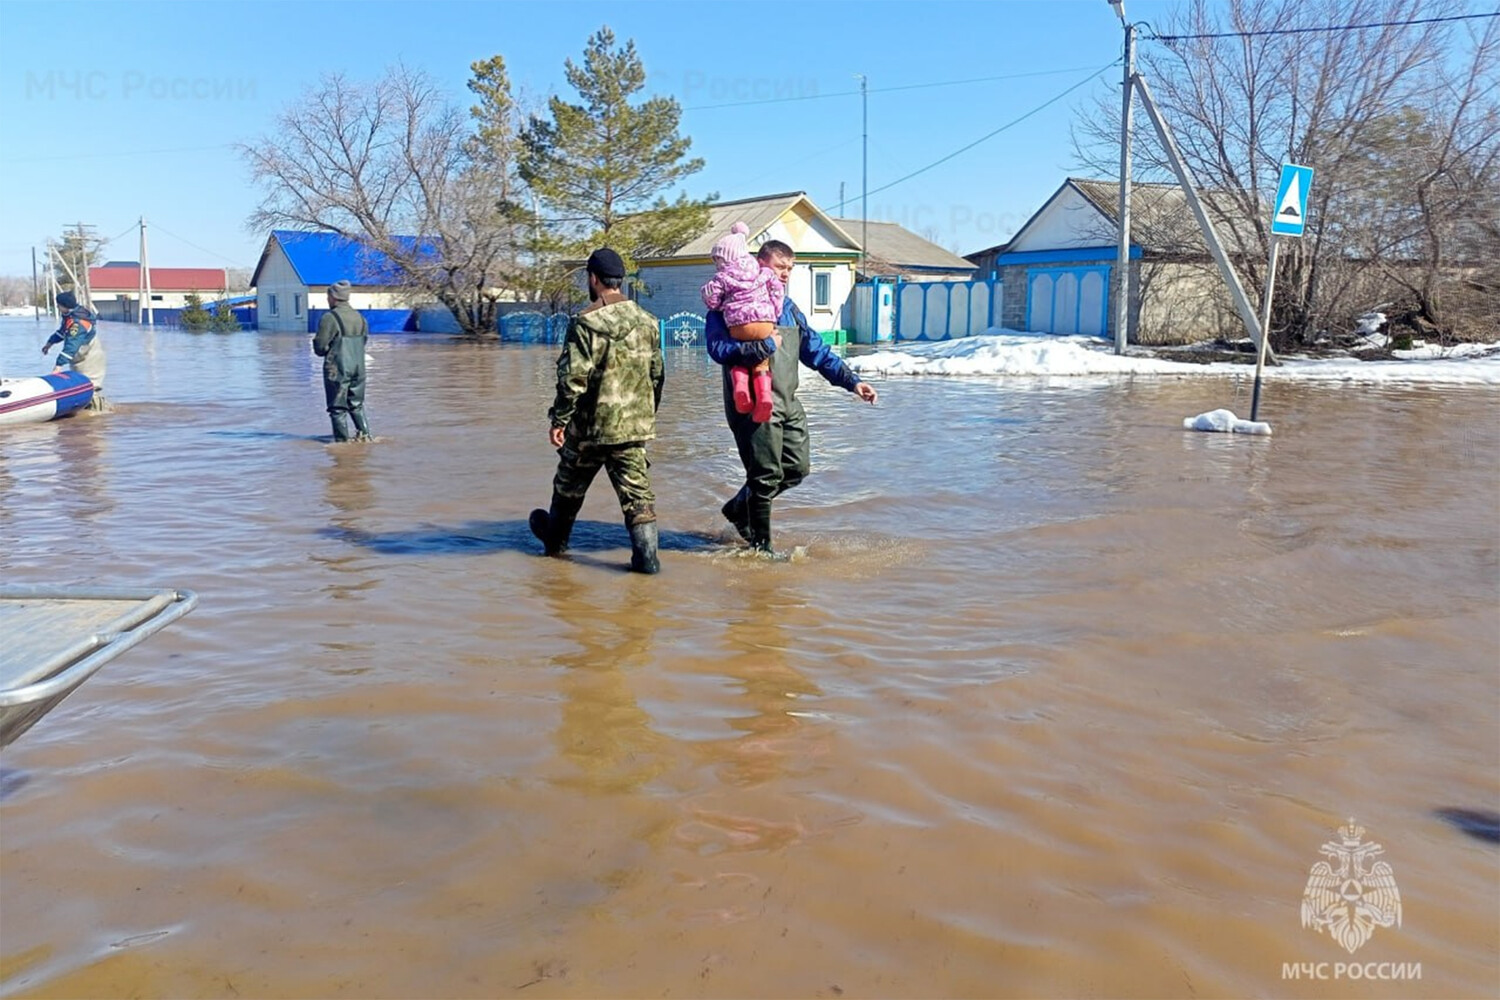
[(683, 329), (925, 310), (533, 328)]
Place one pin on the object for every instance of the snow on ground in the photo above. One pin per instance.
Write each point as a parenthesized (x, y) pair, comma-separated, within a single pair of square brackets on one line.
[(1012, 352)]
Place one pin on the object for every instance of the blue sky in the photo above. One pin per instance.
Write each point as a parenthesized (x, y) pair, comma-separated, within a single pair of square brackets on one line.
[(116, 110)]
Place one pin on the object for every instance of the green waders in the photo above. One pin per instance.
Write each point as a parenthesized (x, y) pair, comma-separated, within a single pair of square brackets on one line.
[(775, 454)]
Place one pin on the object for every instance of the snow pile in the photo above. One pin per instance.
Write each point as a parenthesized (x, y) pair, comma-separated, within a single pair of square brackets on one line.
[(1225, 422), (1012, 352)]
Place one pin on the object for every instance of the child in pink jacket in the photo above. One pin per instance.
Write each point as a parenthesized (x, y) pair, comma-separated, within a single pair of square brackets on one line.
[(750, 297)]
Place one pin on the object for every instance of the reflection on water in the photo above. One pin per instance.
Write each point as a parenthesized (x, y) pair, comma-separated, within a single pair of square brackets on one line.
[(1060, 700)]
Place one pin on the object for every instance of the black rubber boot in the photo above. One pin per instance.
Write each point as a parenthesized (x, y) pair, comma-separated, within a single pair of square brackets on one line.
[(643, 540), (737, 512), (361, 425), (758, 512), (340, 425), (553, 528)]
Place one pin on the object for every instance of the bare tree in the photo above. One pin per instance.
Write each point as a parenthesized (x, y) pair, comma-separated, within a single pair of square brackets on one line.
[(1259, 83), (394, 165), (1434, 187), (15, 291)]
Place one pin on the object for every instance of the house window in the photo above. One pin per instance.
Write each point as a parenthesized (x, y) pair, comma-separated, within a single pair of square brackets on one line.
[(271, 303), (822, 289), (156, 298), (296, 303)]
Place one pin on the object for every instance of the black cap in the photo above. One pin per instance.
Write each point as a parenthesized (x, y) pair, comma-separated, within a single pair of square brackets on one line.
[(605, 263), (67, 300)]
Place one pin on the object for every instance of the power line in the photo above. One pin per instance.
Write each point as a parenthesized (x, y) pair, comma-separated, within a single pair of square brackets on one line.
[(886, 90), (1016, 121), (1330, 27), (158, 227), (128, 230)]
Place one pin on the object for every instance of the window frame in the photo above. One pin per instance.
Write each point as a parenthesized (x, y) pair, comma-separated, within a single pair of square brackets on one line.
[(826, 274)]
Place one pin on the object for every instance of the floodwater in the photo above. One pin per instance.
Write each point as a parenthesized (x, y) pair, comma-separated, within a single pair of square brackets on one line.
[(1056, 700)]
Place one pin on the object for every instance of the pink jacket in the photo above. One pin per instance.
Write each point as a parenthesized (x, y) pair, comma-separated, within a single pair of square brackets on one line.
[(742, 289)]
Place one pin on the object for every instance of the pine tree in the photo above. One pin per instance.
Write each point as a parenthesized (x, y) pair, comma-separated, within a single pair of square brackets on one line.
[(602, 165), (194, 318)]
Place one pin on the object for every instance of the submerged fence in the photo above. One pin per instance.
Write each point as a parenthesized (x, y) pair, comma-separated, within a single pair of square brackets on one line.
[(682, 329), (533, 328)]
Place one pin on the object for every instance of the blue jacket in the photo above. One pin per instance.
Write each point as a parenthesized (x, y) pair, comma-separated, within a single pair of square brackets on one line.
[(813, 353), (76, 334)]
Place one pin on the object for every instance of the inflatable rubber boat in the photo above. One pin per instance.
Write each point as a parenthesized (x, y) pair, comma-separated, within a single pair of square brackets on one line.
[(43, 397)]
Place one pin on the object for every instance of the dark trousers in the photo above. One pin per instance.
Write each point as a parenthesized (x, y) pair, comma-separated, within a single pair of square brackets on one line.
[(775, 454)]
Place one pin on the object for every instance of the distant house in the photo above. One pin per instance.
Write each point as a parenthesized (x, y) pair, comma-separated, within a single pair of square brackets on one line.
[(116, 288), (820, 282), (295, 269), (896, 252), (1057, 269)]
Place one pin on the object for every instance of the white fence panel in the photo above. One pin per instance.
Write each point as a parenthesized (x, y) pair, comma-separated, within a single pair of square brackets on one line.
[(909, 311)]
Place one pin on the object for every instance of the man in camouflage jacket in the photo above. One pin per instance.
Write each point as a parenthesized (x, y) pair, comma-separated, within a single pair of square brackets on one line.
[(609, 380)]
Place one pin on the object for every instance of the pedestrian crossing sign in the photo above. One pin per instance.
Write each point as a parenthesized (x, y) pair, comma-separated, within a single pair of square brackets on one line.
[(1290, 216)]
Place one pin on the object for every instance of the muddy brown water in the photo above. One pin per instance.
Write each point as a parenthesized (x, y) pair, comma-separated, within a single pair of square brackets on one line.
[(1057, 699)]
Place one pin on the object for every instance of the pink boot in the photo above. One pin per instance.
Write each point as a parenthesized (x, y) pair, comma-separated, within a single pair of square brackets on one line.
[(739, 385), (763, 400)]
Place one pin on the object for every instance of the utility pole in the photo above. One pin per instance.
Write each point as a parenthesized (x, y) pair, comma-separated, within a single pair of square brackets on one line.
[(81, 278), (841, 199), (864, 170), (145, 313), (1122, 262), (36, 307)]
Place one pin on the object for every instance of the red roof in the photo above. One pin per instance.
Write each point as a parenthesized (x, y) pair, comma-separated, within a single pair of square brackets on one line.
[(163, 279)]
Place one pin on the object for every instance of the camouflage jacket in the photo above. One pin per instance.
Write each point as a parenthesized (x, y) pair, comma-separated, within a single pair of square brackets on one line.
[(609, 376)]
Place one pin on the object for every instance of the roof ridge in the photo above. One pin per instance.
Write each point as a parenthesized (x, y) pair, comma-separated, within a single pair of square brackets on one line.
[(765, 197)]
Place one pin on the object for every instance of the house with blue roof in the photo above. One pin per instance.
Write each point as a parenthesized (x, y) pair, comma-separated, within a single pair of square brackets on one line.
[(295, 269)]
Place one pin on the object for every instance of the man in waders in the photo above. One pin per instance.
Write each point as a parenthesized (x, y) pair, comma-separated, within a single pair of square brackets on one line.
[(609, 379), (340, 342), (775, 454), (78, 333)]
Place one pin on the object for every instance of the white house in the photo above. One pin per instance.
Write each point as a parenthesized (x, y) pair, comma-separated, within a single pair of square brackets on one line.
[(820, 282), (116, 288), (295, 269)]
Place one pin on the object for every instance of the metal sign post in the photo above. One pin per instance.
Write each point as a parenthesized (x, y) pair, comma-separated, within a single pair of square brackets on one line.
[(1289, 218)]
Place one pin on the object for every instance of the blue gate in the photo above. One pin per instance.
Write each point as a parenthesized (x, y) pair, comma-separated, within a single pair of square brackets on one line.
[(683, 329), (533, 328)]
